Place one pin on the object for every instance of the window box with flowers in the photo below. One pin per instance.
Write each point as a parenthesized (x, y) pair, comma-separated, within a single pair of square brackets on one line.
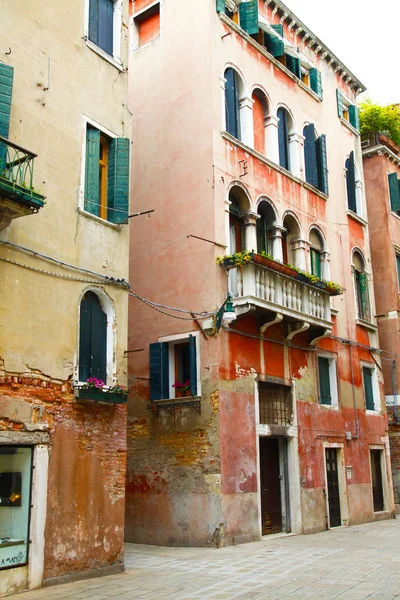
[(95, 390)]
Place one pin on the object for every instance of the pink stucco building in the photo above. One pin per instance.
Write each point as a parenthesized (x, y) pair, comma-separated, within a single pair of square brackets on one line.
[(247, 146)]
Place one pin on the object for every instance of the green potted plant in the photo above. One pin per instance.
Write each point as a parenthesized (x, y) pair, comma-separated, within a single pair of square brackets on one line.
[(95, 390)]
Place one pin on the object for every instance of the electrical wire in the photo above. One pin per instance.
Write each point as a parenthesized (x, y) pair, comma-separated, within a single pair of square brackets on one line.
[(160, 307), (60, 275)]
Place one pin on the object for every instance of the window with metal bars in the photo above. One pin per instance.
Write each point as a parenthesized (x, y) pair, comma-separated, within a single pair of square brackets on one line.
[(275, 402)]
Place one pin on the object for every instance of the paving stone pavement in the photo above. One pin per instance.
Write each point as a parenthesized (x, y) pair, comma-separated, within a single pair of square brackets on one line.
[(347, 563)]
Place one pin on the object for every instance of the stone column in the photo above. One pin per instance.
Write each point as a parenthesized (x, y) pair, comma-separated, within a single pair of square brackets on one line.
[(276, 236), (299, 253), (325, 266), (271, 138), (246, 121), (250, 231), (296, 152)]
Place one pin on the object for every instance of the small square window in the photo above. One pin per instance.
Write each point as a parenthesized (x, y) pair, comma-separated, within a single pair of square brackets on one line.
[(371, 390), (146, 26)]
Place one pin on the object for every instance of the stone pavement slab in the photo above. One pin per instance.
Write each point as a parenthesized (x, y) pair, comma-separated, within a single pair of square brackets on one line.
[(347, 563)]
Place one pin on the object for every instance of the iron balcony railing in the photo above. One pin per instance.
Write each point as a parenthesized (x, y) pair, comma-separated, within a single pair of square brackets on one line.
[(16, 173)]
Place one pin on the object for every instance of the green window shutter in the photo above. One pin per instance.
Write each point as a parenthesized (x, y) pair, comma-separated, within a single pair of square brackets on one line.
[(261, 228), (364, 297), (354, 117), (118, 180), (324, 381), (221, 6), (322, 164), (98, 340), (274, 45), (293, 64), (351, 183), (316, 81), (92, 170), (84, 338), (310, 155), (193, 366), (339, 103), (315, 263), (394, 192), (159, 371), (368, 389), (93, 21), (398, 270), (6, 85), (248, 13)]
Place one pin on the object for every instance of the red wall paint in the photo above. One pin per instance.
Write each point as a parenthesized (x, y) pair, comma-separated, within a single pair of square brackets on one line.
[(149, 29), (259, 130)]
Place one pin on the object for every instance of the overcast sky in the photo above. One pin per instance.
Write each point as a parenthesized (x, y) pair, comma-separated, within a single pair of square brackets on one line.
[(365, 39)]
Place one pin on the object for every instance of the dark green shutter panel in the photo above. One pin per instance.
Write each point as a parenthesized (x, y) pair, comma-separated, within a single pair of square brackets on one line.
[(394, 192), (232, 104), (354, 117), (193, 365), (93, 21), (283, 139), (322, 164), (106, 26), (315, 263), (324, 381), (351, 183), (221, 6), (92, 170), (118, 180), (274, 45), (339, 103), (310, 155), (159, 371), (316, 81), (368, 389), (98, 340), (293, 64), (84, 337), (364, 297), (6, 84), (248, 12), (261, 227)]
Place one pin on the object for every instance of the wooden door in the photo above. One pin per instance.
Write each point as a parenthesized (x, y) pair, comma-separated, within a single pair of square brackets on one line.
[(333, 487), (377, 488), (271, 502)]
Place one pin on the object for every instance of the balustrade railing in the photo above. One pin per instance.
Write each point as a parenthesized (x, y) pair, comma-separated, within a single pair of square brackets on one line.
[(16, 165), (279, 292)]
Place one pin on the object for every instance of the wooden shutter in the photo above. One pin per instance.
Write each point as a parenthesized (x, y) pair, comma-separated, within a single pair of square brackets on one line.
[(316, 81), (351, 183), (159, 371), (315, 263), (283, 139), (92, 170), (364, 297), (84, 338), (354, 117), (368, 389), (324, 381), (394, 192), (106, 26), (293, 64), (193, 365), (322, 164), (94, 21), (98, 340), (261, 227), (274, 45), (221, 6), (231, 104), (118, 180), (310, 155), (248, 13), (339, 103), (6, 85)]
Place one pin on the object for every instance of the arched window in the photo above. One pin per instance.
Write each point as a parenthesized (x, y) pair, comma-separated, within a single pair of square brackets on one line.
[(361, 287), (92, 339), (351, 183), (292, 254), (315, 159), (316, 248), (260, 112), (284, 125), (264, 227), (236, 233), (232, 108)]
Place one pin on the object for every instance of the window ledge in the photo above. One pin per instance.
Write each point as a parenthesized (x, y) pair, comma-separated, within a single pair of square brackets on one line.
[(115, 63), (171, 404), (349, 126), (357, 217), (366, 324), (329, 406), (375, 413), (89, 215), (229, 138), (267, 55), (395, 214)]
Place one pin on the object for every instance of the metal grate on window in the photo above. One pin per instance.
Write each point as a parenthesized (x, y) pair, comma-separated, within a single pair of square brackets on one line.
[(275, 401)]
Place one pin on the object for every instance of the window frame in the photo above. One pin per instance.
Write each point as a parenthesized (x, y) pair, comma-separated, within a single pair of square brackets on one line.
[(172, 341), (375, 387), (115, 58), (365, 314), (134, 19), (333, 381)]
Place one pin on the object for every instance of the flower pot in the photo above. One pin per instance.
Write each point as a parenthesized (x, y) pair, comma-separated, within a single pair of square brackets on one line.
[(96, 395)]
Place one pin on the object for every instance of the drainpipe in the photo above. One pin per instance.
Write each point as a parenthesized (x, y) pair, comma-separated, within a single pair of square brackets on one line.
[(394, 387), (355, 436)]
